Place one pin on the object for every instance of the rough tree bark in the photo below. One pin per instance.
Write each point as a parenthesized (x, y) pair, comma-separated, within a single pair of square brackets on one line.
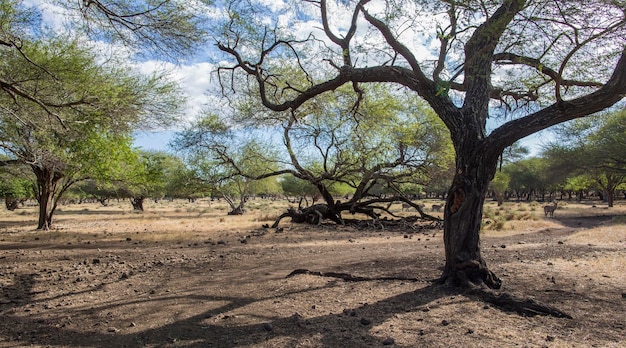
[(462, 219), (47, 181)]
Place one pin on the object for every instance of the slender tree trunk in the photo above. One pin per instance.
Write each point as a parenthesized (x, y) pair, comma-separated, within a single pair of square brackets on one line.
[(462, 220), (47, 180)]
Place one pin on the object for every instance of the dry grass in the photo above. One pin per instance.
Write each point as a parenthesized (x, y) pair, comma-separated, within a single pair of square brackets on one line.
[(184, 288), (160, 221), (180, 219), (606, 235)]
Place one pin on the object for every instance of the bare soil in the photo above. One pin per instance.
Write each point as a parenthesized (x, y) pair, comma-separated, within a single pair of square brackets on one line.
[(183, 275)]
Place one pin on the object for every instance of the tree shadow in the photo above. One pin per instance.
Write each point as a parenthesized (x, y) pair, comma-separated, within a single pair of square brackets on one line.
[(196, 332), (589, 221), (352, 327)]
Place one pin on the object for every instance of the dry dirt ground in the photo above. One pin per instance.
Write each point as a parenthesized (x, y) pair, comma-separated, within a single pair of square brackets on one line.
[(186, 275)]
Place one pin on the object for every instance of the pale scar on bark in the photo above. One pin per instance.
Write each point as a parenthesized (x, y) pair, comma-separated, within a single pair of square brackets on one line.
[(457, 200)]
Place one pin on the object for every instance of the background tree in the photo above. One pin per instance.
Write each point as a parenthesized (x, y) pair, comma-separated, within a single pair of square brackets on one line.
[(527, 178), (80, 139), (226, 158), (580, 185), (298, 188), (592, 147), (92, 189), (16, 185), (390, 142), (181, 181), (499, 185), (184, 183), (562, 60), (268, 187), (145, 176)]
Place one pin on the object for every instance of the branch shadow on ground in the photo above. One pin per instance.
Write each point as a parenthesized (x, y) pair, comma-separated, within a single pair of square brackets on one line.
[(352, 327), (196, 332)]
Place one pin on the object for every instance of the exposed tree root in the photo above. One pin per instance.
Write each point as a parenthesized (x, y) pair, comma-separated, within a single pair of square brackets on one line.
[(348, 277), (479, 282), (470, 274), (313, 215)]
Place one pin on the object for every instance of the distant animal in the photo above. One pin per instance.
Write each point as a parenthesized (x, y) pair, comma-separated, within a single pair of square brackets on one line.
[(437, 207), (407, 206), (549, 209)]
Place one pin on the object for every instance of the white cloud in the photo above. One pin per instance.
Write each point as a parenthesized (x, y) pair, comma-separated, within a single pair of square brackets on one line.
[(274, 5), (194, 79), (52, 16)]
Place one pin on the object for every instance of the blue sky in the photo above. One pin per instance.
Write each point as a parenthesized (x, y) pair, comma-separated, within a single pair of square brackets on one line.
[(157, 141)]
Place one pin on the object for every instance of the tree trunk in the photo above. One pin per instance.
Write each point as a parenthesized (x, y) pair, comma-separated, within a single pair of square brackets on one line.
[(47, 180), (235, 209), (610, 198), (137, 203), (499, 198), (12, 203), (462, 219)]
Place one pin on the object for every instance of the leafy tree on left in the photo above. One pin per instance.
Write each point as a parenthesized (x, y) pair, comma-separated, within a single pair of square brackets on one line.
[(83, 128), (16, 185)]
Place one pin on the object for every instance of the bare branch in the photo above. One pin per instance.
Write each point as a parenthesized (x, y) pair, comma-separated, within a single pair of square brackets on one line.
[(511, 58), (612, 92)]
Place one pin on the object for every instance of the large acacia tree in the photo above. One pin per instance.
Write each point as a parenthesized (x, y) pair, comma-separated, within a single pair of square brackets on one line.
[(540, 62)]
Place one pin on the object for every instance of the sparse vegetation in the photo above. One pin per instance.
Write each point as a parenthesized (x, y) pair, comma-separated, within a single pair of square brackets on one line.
[(173, 269)]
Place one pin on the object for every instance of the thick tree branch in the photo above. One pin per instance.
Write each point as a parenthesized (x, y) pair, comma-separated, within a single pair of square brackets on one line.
[(612, 92), (344, 43), (479, 51), (427, 86), (511, 58)]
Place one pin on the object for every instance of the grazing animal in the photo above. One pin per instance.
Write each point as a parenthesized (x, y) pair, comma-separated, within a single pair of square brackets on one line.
[(549, 209), (437, 207), (406, 206)]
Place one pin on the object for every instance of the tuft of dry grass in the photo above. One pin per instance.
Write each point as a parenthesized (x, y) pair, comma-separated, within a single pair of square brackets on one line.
[(610, 234), (184, 220)]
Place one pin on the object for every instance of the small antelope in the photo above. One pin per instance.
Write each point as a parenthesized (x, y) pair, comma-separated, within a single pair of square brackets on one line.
[(406, 206), (437, 207), (549, 209)]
